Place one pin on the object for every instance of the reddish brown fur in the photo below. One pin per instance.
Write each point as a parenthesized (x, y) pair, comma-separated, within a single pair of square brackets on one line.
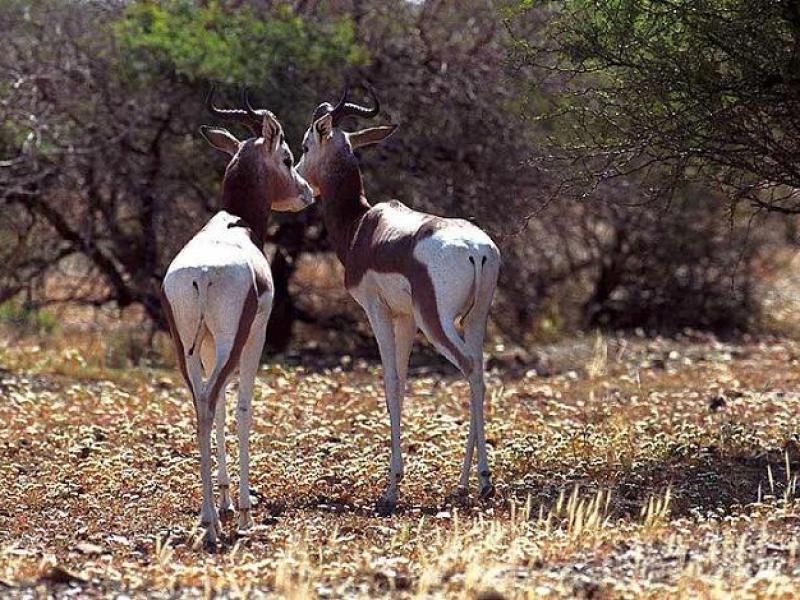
[(263, 278), (247, 189), (180, 357), (379, 247)]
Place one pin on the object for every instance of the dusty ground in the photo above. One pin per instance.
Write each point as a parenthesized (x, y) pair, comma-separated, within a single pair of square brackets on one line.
[(636, 468)]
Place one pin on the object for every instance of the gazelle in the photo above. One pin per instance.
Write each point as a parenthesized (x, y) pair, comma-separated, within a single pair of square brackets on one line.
[(217, 294), (408, 270)]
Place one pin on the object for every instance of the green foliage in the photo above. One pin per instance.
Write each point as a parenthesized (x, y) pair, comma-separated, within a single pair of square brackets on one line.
[(26, 319), (232, 45), (704, 87)]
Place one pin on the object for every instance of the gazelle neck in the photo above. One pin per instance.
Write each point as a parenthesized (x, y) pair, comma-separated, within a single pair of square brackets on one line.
[(343, 203), (244, 192)]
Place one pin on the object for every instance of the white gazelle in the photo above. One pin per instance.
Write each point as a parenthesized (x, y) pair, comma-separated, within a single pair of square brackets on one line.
[(408, 270), (217, 295)]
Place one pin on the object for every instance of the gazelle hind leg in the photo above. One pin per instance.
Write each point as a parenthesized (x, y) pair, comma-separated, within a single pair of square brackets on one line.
[(474, 335), (477, 389), (206, 405), (450, 345), (248, 367), (208, 513), (463, 480), (223, 478), (383, 327)]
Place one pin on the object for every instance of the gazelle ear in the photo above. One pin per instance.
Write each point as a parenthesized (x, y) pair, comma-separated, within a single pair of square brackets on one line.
[(272, 132), (371, 135), (324, 126), (221, 139)]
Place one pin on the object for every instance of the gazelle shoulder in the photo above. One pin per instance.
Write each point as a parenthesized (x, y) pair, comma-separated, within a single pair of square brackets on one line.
[(392, 207)]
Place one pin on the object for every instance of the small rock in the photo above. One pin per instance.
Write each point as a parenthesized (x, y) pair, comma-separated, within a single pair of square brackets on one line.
[(89, 548), (489, 594), (119, 539)]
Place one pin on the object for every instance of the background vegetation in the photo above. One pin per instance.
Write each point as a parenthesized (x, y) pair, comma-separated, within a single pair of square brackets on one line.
[(625, 155)]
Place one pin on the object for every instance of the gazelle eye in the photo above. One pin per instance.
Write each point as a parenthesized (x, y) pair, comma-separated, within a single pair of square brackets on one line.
[(288, 162), (305, 149)]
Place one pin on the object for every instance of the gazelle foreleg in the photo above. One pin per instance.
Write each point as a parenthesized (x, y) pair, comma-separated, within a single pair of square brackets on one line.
[(380, 318), (248, 366), (404, 331)]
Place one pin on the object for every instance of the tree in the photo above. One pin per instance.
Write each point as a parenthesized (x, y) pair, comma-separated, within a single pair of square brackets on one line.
[(674, 89)]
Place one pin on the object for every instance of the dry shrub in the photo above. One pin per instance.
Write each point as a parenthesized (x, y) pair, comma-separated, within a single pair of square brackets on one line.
[(660, 267)]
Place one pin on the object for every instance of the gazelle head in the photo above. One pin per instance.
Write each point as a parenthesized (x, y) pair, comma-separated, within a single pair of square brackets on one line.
[(326, 147), (265, 158)]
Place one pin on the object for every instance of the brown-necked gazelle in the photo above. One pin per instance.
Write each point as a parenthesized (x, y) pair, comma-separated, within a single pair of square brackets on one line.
[(408, 270), (217, 294)]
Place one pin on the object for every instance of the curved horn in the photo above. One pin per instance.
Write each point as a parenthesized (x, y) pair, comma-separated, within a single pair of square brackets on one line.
[(234, 114), (258, 116), (252, 112), (344, 108), (338, 112)]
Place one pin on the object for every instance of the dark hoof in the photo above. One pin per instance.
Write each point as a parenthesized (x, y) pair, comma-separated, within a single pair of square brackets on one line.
[(210, 545), (384, 507), (459, 496), (487, 491), (225, 515)]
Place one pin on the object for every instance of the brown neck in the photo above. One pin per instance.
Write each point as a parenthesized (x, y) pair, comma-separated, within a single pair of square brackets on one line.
[(343, 202), (244, 192)]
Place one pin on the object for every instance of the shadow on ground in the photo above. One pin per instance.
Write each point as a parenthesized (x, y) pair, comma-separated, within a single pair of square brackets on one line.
[(704, 481)]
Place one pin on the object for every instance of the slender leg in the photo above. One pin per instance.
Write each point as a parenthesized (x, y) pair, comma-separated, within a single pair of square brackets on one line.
[(466, 362), (404, 331), (208, 512), (209, 518), (463, 481), (383, 327), (474, 334), (248, 366), (478, 393), (223, 478)]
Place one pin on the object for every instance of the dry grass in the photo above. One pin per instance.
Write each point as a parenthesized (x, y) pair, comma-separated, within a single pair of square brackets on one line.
[(641, 468)]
